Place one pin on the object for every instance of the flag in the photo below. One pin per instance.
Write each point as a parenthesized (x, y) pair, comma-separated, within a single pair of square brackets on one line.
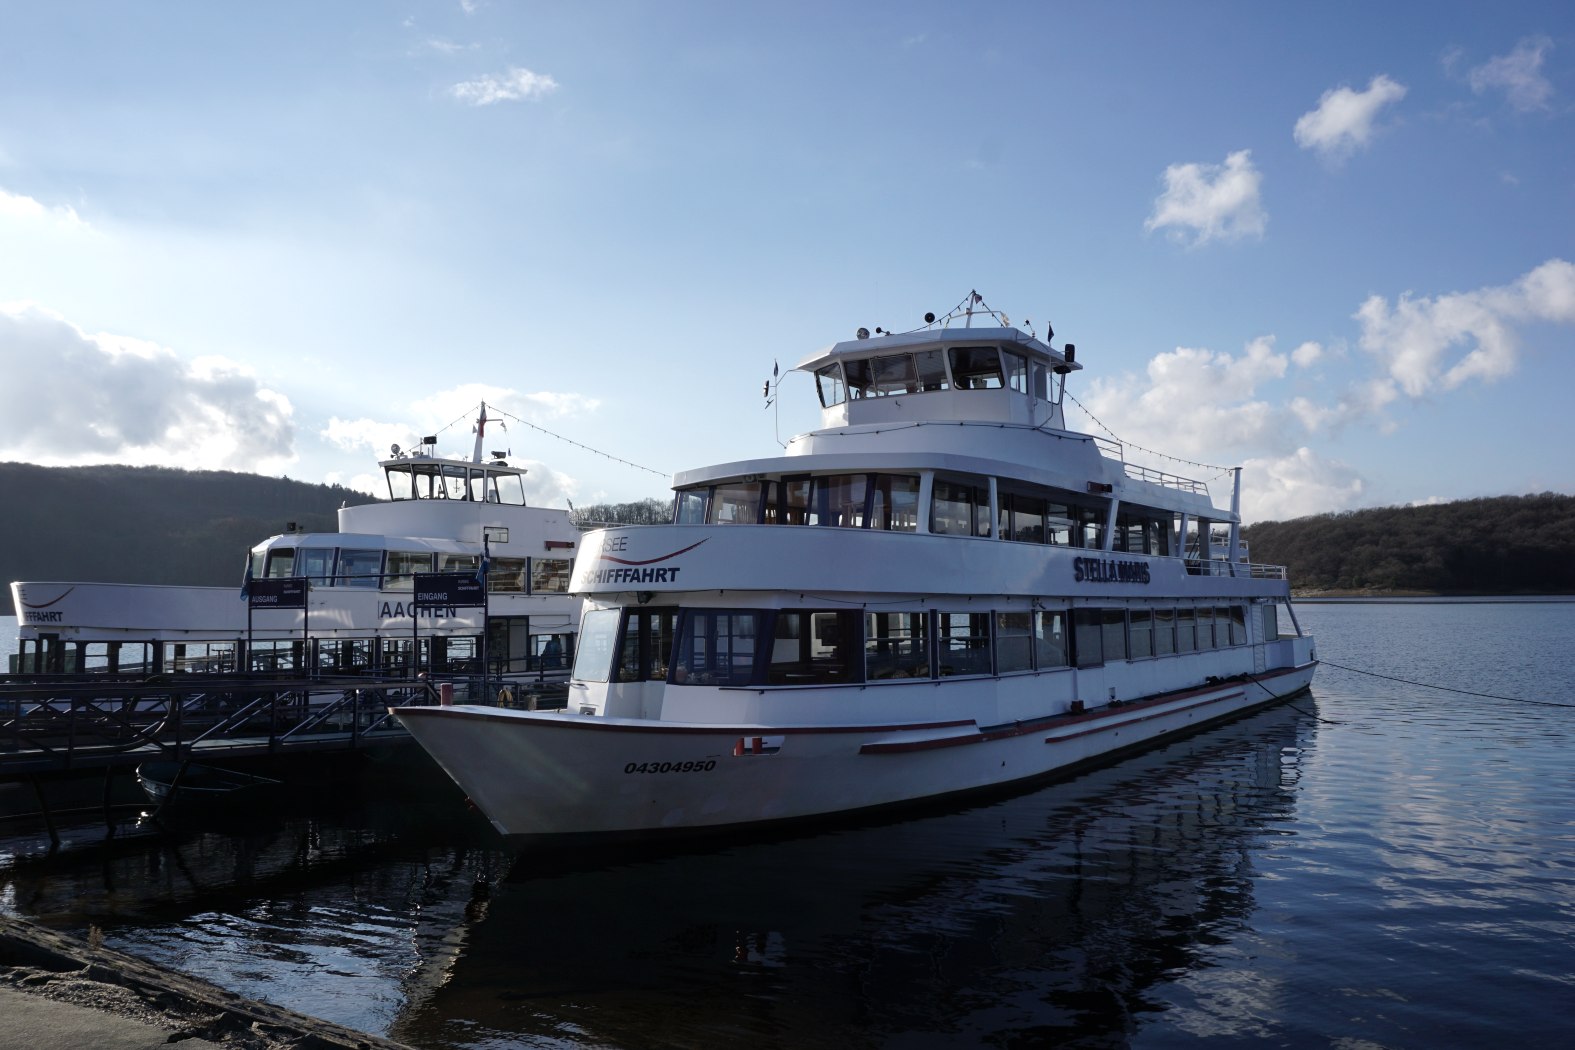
[(246, 584)]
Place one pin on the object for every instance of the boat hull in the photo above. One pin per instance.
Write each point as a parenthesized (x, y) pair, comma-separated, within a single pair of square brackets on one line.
[(542, 775)]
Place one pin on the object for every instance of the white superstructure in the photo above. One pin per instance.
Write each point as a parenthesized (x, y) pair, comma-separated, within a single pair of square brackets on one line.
[(940, 590), (442, 516)]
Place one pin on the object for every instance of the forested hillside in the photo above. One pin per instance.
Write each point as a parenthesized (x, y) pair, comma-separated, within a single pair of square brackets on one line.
[(147, 524), (1502, 545)]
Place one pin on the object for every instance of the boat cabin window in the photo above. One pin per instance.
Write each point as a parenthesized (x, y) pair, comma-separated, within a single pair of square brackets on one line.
[(976, 368), (317, 564), (1016, 367), (1050, 639), (689, 507), (894, 502), (360, 568), (813, 648), (402, 565), (427, 480), (597, 644), (959, 509), (470, 563), (506, 574), (1013, 642), (647, 645), (896, 645), (1271, 622), (1087, 637), (281, 563), (736, 503), (550, 575), (1141, 632), (963, 643), (716, 647), (829, 385)]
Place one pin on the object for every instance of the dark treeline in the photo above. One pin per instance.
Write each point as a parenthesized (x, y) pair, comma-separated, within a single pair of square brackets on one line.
[(1501, 545), (640, 512), (148, 524)]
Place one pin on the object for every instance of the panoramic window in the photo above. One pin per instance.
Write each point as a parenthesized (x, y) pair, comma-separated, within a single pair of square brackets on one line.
[(716, 647), (840, 500), (895, 375), (896, 645), (281, 563), (957, 509), (317, 565), (1022, 516), (813, 647), (597, 643)]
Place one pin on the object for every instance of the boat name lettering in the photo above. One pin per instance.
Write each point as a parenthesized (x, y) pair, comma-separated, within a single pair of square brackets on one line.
[(1109, 570), (635, 575), (399, 610), (671, 767), (53, 616)]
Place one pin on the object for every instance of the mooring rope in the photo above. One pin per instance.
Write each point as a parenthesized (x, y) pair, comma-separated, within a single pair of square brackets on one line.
[(1445, 688)]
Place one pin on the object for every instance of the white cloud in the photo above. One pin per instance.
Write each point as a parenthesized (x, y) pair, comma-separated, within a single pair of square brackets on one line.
[(1518, 74), (1205, 202), (512, 86), (1307, 355), (17, 208), (1425, 344), (450, 416), (1294, 486), (73, 398), (1343, 121)]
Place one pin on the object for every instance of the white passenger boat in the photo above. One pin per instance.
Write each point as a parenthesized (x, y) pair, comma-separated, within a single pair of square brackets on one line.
[(941, 590), (357, 607)]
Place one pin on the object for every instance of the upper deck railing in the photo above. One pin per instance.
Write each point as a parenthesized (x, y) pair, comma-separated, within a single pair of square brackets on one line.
[(1115, 450)]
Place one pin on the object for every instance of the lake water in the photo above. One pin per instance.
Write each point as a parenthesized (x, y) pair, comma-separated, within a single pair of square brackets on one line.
[(1377, 865)]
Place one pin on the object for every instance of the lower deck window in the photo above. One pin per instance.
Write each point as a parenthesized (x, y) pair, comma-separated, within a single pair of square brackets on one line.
[(597, 643), (896, 645), (716, 647), (813, 648), (962, 643)]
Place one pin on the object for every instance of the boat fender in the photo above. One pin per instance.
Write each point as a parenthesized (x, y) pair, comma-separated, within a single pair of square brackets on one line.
[(505, 697)]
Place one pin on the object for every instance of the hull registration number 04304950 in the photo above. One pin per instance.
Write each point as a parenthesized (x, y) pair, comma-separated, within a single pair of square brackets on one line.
[(699, 766)]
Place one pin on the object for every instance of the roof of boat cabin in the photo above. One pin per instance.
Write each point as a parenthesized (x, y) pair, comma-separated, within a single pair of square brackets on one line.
[(874, 346)]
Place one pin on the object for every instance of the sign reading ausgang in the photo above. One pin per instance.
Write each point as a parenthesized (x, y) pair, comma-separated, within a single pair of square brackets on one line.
[(457, 590), (285, 592)]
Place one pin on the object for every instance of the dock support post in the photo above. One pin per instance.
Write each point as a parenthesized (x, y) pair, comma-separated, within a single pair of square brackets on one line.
[(43, 808)]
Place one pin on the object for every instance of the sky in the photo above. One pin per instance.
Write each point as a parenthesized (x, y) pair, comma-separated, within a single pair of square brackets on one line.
[(1331, 244)]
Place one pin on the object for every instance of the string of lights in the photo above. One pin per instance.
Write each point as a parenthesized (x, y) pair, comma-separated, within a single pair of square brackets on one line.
[(1132, 444), (560, 437)]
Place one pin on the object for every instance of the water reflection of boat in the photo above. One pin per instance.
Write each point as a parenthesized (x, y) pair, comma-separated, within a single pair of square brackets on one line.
[(191, 784), (1049, 916)]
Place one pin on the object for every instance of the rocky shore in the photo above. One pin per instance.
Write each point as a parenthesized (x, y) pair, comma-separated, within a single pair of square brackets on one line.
[(63, 991)]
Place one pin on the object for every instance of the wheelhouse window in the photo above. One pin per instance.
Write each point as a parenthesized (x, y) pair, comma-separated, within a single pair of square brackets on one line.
[(359, 568), (896, 645), (962, 643), (814, 647), (1016, 368), (1013, 642), (829, 385), (598, 642), (976, 367), (716, 647)]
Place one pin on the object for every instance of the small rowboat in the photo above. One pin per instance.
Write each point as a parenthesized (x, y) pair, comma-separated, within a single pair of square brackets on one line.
[(197, 785)]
